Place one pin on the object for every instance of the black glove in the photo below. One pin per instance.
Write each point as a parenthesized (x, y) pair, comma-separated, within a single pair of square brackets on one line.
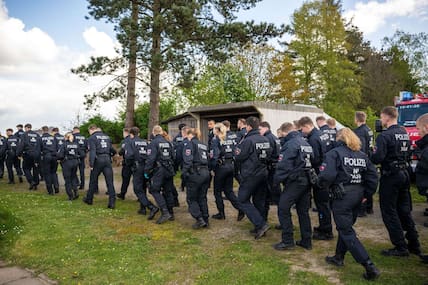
[(336, 192)]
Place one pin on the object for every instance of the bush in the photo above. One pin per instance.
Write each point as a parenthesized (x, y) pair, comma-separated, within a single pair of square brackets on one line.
[(112, 128)]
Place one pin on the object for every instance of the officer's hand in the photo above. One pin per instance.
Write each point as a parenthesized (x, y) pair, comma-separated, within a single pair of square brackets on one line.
[(146, 175), (364, 200), (423, 191), (212, 173), (91, 168)]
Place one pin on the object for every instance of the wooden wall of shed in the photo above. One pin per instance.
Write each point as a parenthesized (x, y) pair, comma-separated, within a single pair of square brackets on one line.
[(173, 125)]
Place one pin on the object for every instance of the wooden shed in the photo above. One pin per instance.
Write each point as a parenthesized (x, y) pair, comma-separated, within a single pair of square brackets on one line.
[(274, 113)]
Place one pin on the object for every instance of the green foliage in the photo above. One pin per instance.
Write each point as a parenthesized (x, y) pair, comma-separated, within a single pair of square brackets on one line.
[(324, 74), (219, 85), (166, 110), (111, 128), (414, 49)]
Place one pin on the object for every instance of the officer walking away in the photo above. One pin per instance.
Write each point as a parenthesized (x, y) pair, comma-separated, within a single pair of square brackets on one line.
[(83, 149), (178, 146), (331, 123), (49, 159), (252, 154), (59, 142), (19, 133), (221, 163), (159, 168), (12, 158), (392, 153), (174, 192), (3, 148), (29, 148), (365, 134), (422, 166), (126, 151), (348, 173), (100, 152), (196, 177), (139, 149), (294, 168), (317, 140), (273, 192), (326, 132), (69, 154)]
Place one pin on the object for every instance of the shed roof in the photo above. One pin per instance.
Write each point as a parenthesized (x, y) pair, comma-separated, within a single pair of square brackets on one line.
[(243, 108)]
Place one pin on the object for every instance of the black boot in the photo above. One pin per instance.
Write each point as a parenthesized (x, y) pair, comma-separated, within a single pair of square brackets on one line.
[(20, 179), (241, 215), (200, 223), (372, 272), (219, 216), (335, 260), (142, 210), (76, 194), (153, 211), (121, 196), (171, 212), (395, 252), (165, 216)]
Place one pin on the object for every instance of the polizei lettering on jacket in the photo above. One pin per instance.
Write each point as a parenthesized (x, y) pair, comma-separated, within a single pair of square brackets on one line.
[(351, 161)]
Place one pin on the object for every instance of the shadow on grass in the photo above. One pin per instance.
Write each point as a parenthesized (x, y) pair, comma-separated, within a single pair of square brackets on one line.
[(10, 229)]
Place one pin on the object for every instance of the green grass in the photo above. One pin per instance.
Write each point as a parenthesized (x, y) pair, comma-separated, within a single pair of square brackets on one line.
[(75, 243)]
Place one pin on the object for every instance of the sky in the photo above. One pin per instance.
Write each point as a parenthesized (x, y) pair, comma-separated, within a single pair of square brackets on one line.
[(41, 40)]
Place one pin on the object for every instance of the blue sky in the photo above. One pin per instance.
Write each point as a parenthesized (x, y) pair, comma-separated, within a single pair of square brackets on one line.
[(41, 40)]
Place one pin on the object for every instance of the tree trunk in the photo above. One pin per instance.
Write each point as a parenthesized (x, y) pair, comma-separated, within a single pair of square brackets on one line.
[(155, 68), (132, 69)]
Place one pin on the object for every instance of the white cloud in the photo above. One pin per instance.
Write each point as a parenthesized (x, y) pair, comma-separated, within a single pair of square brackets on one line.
[(373, 15), (36, 84), (100, 42)]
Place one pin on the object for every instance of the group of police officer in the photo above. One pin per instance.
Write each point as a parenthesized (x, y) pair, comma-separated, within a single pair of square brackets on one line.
[(337, 166)]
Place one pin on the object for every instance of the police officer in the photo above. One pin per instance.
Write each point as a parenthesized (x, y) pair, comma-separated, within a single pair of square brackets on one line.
[(365, 134), (252, 154), (127, 153), (422, 166), (3, 148), (221, 163), (318, 142), (83, 149), (331, 123), (29, 148), (211, 124), (178, 146), (19, 131), (273, 191), (196, 177), (326, 132), (159, 168), (11, 157), (348, 173), (48, 159), (100, 153), (293, 170), (392, 153), (139, 149), (69, 156), (242, 130), (59, 142)]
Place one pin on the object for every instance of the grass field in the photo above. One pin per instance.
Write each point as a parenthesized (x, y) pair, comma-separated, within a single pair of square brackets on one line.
[(79, 244)]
